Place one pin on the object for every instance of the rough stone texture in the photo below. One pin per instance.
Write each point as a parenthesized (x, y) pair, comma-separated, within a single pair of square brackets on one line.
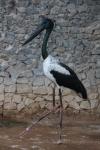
[(85, 105), (10, 106), (1, 88), (1, 97), (10, 88), (17, 99), (75, 40), (94, 103), (8, 97), (20, 106), (40, 90), (24, 88), (27, 101), (34, 107)]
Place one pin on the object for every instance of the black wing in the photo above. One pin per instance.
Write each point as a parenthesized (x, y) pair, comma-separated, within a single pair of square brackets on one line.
[(73, 74), (70, 81)]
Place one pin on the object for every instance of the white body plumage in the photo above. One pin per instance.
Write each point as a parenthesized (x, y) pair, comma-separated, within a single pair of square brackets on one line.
[(50, 64)]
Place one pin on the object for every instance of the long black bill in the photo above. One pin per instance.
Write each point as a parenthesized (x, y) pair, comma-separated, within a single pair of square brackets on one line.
[(33, 35)]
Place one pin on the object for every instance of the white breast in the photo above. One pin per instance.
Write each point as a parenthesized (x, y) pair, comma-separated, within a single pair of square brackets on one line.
[(48, 66), (51, 63)]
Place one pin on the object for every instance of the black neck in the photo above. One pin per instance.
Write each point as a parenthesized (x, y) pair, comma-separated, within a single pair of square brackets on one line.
[(44, 45)]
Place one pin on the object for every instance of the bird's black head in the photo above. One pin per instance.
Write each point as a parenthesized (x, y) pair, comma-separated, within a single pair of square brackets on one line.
[(46, 24)]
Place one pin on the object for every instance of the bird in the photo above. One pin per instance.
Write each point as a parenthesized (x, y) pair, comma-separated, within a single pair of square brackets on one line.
[(59, 73)]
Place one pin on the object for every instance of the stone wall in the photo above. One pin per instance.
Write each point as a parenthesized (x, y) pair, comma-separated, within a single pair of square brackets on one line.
[(75, 40)]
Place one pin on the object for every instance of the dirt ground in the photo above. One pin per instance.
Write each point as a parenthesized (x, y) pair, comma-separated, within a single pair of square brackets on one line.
[(78, 133)]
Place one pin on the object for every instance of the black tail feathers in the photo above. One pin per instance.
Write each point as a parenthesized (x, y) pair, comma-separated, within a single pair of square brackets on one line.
[(83, 91)]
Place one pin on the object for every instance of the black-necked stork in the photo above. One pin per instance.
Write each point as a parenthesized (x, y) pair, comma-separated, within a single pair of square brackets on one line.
[(59, 73)]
